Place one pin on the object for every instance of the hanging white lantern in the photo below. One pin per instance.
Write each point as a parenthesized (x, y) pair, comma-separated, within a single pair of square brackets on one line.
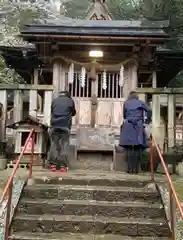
[(83, 76), (121, 76), (71, 73), (104, 80)]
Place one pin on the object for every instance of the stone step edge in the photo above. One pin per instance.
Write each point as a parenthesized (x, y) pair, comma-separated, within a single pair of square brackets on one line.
[(88, 218), (55, 202), (90, 188), (140, 180), (72, 236)]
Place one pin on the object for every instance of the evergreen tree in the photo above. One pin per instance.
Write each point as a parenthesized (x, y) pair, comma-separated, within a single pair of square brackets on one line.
[(13, 15)]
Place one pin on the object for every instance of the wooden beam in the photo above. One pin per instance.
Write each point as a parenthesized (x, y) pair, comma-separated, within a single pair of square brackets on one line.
[(94, 37), (160, 90), (41, 42), (26, 87)]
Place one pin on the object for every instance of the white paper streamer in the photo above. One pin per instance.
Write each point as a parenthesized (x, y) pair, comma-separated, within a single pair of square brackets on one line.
[(121, 76), (71, 73), (104, 80), (83, 76)]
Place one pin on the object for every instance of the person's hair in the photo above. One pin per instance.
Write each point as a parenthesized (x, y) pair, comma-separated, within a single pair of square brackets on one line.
[(133, 95)]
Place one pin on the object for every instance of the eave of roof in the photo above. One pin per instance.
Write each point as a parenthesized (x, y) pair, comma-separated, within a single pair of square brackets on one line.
[(106, 28), (29, 119)]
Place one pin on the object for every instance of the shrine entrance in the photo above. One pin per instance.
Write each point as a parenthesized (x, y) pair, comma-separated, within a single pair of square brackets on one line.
[(99, 103)]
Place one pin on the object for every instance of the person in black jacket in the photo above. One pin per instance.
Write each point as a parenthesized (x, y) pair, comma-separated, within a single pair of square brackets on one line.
[(62, 111)]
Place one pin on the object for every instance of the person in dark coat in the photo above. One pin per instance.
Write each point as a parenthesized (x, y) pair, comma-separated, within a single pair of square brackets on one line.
[(62, 111), (133, 136)]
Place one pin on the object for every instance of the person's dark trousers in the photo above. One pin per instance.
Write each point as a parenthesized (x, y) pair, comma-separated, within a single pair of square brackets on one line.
[(58, 154), (133, 158)]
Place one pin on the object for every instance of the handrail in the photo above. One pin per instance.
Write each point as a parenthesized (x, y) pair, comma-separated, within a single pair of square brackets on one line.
[(9, 186), (173, 194)]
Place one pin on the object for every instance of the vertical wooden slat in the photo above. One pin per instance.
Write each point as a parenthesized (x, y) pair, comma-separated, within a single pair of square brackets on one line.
[(113, 81), (79, 84), (47, 107), (101, 81), (3, 101), (109, 85), (33, 97), (18, 105), (116, 84), (87, 87)]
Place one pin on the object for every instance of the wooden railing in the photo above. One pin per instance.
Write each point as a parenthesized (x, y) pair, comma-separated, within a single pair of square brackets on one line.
[(172, 193), (7, 193)]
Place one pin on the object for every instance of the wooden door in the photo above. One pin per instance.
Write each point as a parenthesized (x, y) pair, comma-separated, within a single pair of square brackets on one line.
[(110, 101)]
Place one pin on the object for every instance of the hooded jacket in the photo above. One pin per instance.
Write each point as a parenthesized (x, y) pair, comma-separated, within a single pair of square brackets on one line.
[(62, 111)]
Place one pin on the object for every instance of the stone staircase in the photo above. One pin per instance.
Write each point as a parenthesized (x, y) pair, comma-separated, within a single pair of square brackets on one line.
[(89, 206)]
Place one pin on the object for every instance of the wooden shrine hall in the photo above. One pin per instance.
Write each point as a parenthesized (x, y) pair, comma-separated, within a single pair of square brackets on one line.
[(99, 62)]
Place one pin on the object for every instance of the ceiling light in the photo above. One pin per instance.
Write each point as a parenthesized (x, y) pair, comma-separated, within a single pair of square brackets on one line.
[(96, 54)]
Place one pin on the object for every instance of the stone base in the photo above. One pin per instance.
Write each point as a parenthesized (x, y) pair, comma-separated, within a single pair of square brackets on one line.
[(179, 169), (3, 162), (120, 163)]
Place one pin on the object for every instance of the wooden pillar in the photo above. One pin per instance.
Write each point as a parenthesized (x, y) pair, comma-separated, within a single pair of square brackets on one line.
[(156, 123), (56, 76), (18, 106), (33, 97), (131, 81), (134, 78), (47, 107), (36, 77), (62, 79), (171, 120)]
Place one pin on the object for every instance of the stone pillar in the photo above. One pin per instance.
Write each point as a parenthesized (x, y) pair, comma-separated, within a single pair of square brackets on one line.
[(171, 120), (156, 123)]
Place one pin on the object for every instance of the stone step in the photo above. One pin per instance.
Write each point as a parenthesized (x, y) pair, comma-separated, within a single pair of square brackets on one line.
[(87, 207), (72, 236), (98, 179), (98, 193), (90, 224)]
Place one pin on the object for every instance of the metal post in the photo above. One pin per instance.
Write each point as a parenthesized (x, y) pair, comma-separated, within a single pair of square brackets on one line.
[(32, 155), (8, 211)]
